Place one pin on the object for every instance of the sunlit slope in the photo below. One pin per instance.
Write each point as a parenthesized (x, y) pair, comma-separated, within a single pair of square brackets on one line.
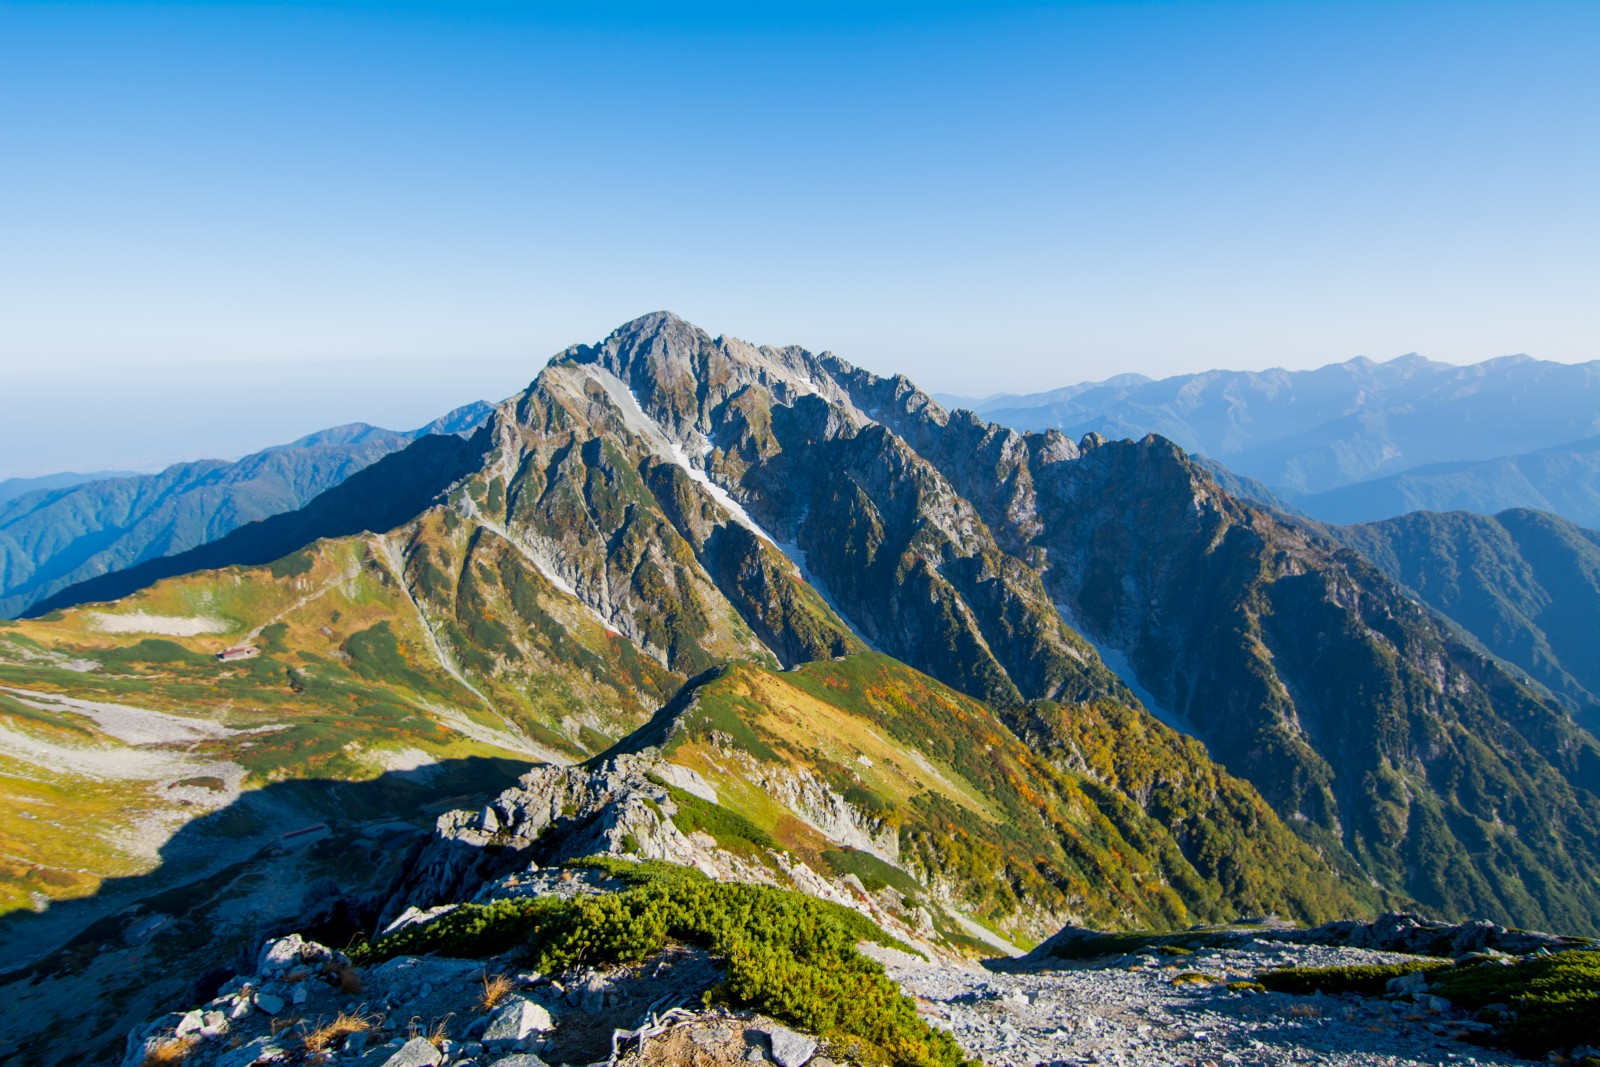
[(118, 724), (883, 759)]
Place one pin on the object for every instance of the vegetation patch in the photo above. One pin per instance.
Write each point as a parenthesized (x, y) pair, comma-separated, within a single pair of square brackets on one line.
[(1090, 945), (1551, 1002), (293, 565), (731, 716), (1554, 1000), (787, 955), (1367, 980), (155, 650), (874, 873), (1194, 978), (375, 655), (732, 830)]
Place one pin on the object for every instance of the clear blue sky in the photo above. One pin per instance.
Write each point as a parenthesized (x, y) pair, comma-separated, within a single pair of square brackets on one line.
[(222, 226)]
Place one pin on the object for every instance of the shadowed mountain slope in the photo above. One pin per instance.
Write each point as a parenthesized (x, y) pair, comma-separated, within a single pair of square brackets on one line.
[(393, 490), (1524, 583)]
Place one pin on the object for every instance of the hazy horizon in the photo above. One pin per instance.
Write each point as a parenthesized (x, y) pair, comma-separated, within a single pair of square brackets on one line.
[(227, 225), (199, 407)]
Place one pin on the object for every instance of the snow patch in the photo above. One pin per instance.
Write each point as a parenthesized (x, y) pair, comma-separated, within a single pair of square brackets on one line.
[(797, 556), (541, 562), (1117, 662), (133, 726), (634, 417)]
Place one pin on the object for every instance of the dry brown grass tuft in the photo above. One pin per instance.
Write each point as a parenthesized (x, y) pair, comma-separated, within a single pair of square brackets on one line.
[(440, 1033), (332, 1034), (170, 1051), (349, 979), (495, 989)]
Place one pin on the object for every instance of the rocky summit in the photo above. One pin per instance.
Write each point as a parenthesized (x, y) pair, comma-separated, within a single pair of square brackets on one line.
[(720, 702)]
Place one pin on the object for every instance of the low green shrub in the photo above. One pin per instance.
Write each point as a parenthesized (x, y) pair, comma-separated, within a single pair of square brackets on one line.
[(1369, 979), (1556, 998), (155, 650), (1194, 978), (788, 955)]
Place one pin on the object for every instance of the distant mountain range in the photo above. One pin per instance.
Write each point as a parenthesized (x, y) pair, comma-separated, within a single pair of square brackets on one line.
[(1563, 479), (11, 488), (54, 537), (1360, 440)]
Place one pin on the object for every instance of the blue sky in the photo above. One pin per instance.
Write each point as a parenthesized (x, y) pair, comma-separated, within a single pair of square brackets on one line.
[(222, 226)]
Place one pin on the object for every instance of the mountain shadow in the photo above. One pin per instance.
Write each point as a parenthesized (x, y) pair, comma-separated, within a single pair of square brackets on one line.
[(392, 491), (314, 856)]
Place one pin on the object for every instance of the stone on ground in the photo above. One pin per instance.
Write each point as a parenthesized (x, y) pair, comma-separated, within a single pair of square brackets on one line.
[(418, 1052), (790, 1049), (515, 1020)]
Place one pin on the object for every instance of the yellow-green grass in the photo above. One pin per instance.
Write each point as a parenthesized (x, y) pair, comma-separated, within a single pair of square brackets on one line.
[(345, 687), (969, 806)]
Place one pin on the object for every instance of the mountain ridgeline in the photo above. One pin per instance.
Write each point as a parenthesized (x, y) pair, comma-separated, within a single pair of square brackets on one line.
[(1361, 441), (873, 624), (55, 536)]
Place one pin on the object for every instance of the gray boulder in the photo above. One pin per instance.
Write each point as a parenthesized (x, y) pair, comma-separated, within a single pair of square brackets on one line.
[(1408, 985), (516, 1019), (790, 1049), (261, 1050), (286, 953), (418, 1052)]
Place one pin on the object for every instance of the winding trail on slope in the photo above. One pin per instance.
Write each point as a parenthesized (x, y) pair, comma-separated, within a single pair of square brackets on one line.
[(350, 573)]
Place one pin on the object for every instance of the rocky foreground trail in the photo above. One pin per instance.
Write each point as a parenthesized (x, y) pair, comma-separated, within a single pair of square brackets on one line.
[(306, 1003), (486, 956), (1148, 1009)]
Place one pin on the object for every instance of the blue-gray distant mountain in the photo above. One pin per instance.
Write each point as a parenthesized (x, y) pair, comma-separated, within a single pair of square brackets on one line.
[(51, 539), (1513, 432), (1564, 479), (11, 488)]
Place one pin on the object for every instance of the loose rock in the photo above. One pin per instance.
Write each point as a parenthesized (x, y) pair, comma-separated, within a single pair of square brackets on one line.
[(790, 1049)]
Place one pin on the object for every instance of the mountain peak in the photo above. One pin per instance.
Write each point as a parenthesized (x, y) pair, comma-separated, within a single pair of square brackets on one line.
[(663, 324)]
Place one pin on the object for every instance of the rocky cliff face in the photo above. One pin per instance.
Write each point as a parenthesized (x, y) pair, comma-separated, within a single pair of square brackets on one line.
[(968, 550)]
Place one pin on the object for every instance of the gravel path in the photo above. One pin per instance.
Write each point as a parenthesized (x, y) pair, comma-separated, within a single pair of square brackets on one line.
[(1129, 1011)]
